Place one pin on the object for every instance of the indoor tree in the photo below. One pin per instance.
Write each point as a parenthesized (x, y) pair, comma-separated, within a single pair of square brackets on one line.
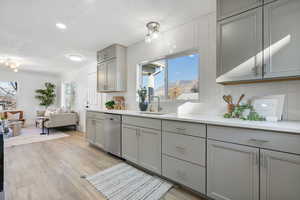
[(46, 96)]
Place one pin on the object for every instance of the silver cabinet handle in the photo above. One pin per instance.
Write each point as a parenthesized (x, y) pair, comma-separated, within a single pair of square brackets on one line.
[(255, 158), (265, 69), (264, 160), (257, 141), (255, 70), (180, 129), (138, 132), (180, 149)]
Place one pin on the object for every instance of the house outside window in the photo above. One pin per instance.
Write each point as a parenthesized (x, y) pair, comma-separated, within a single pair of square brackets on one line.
[(172, 78)]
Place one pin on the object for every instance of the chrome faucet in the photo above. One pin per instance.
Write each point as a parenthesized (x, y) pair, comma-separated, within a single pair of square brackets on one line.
[(159, 108)]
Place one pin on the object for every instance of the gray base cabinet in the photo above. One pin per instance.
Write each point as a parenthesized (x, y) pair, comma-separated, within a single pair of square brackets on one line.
[(224, 163), (90, 130), (95, 129), (280, 176), (232, 171), (130, 143), (95, 132), (186, 173), (142, 146)]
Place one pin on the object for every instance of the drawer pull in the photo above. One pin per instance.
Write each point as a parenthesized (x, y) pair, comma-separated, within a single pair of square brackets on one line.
[(180, 149), (257, 141), (180, 129)]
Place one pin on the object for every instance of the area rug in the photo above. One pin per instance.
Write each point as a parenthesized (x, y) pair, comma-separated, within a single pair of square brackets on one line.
[(124, 182), (32, 135)]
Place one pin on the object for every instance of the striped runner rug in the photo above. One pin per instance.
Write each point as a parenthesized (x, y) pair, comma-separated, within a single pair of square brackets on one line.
[(124, 182)]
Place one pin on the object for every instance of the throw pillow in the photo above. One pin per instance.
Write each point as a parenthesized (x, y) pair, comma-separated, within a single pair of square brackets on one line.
[(48, 112), (13, 117)]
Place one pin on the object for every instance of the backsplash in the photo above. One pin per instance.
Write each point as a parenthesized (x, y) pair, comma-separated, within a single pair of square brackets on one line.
[(288, 88)]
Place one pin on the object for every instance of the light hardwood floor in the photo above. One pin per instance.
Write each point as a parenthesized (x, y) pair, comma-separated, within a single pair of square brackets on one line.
[(52, 170)]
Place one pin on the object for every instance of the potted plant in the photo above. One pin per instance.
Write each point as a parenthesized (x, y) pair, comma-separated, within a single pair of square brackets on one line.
[(110, 104), (46, 96), (143, 95)]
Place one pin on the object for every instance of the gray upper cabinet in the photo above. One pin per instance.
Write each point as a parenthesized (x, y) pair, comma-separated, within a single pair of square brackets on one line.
[(280, 176), (232, 171), (111, 69), (227, 8), (258, 40), (239, 47), (101, 76), (282, 39)]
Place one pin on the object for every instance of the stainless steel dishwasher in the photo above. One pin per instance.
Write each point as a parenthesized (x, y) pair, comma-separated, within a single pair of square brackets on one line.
[(112, 130)]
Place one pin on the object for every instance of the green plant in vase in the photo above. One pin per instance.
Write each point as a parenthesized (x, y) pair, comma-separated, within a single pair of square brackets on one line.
[(110, 104), (142, 96)]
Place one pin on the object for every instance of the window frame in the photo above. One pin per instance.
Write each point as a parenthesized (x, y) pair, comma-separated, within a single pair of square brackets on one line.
[(166, 80)]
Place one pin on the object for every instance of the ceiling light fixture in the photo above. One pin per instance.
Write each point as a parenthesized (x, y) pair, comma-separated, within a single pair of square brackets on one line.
[(10, 63), (75, 57), (61, 26), (152, 31)]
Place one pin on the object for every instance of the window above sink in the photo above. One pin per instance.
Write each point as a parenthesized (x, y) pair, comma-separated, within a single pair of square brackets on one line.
[(174, 77)]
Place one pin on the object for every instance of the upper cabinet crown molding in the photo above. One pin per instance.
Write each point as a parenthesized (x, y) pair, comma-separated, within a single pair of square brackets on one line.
[(228, 8), (257, 42), (111, 69)]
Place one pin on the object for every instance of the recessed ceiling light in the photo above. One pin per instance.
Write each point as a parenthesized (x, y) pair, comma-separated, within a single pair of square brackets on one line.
[(75, 57), (61, 26)]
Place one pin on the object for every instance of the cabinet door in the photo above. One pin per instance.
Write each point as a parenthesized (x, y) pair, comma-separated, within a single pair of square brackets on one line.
[(99, 133), (227, 8), (150, 149), (130, 143), (101, 76), (282, 38), (280, 176), (111, 75), (232, 171), (90, 130), (240, 47)]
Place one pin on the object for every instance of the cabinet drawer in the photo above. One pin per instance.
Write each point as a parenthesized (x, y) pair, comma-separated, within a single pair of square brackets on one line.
[(184, 128), (142, 122), (185, 173), (285, 142), (94, 115), (184, 147)]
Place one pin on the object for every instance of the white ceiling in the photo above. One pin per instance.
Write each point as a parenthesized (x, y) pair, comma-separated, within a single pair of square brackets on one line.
[(28, 31)]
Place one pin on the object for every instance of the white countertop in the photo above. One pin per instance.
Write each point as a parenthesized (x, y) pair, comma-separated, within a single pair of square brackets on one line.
[(281, 126)]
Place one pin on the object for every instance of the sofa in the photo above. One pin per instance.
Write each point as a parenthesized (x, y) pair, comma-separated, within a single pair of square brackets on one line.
[(56, 118)]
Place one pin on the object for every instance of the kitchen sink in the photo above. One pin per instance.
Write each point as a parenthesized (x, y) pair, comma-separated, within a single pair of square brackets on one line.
[(152, 113)]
